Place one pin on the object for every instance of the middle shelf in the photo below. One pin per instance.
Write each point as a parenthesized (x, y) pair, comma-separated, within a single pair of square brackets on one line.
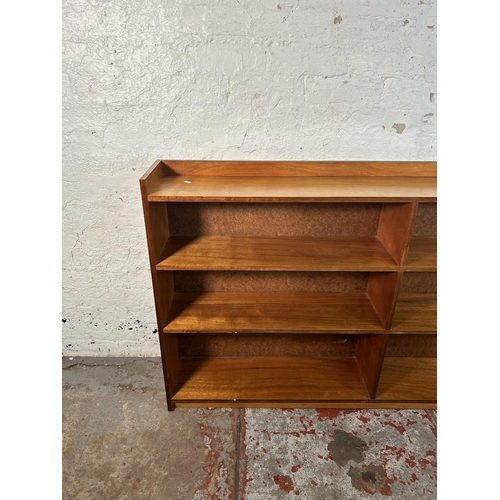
[(289, 253), (224, 312), (298, 268), (275, 253)]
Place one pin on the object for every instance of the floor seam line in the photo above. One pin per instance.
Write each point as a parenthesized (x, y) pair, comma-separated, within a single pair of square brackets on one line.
[(237, 456)]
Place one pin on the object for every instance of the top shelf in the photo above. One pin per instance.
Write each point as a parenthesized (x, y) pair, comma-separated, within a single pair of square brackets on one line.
[(261, 189), (290, 181)]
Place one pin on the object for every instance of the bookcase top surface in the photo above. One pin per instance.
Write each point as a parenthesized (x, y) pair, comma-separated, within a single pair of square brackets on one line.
[(291, 182), (294, 189)]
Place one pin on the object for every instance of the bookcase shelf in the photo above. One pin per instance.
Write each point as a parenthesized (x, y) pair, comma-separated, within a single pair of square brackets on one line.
[(415, 313), (281, 284), (283, 253), (422, 255), (273, 380), (213, 312)]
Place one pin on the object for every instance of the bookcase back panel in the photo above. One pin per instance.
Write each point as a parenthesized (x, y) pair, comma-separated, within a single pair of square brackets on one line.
[(412, 346), (419, 283), (426, 220), (282, 281), (263, 345), (274, 219)]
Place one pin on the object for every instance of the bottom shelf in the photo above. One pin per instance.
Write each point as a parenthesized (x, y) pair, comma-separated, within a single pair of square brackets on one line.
[(302, 383), (406, 379)]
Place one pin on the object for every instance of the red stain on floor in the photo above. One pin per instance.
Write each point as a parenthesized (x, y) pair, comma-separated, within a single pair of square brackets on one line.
[(310, 431), (308, 425), (214, 464), (386, 488), (394, 450), (424, 463), (330, 413), (400, 428), (284, 482), (376, 478)]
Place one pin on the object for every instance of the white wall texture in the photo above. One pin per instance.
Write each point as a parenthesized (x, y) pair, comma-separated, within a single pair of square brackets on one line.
[(218, 79)]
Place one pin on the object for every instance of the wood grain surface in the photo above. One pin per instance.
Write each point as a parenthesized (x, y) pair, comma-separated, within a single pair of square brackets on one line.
[(264, 168), (213, 312), (347, 404), (285, 253), (422, 255), (296, 189), (395, 228), (370, 356), (208, 281), (415, 313), (157, 232), (407, 379), (382, 291), (270, 379)]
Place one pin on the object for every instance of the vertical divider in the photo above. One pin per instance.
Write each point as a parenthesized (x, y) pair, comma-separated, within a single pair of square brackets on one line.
[(382, 291), (157, 233), (395, 228), (394, 232), (370, 352)]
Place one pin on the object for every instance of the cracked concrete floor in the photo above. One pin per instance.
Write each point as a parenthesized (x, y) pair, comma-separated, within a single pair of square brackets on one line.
[(120, 442)]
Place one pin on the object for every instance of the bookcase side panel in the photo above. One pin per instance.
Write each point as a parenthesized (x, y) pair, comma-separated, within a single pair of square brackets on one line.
[(156, 223)]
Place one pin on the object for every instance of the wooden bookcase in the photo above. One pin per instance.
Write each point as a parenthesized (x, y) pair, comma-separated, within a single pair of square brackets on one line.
[(294, 284)]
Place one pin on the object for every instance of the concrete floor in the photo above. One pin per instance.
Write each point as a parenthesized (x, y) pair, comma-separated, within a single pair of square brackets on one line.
[(120, 442)]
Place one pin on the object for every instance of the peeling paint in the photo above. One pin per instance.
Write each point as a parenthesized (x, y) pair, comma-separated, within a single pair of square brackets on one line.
[(399, 127), (284, 482), (386, 454), (216, 80), (218, 483)]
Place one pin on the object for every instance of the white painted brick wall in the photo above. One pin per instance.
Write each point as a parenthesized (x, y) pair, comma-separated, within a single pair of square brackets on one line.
[(198, 79)]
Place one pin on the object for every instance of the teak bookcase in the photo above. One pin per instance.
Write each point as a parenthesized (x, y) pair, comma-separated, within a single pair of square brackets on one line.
[(294, 284)]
